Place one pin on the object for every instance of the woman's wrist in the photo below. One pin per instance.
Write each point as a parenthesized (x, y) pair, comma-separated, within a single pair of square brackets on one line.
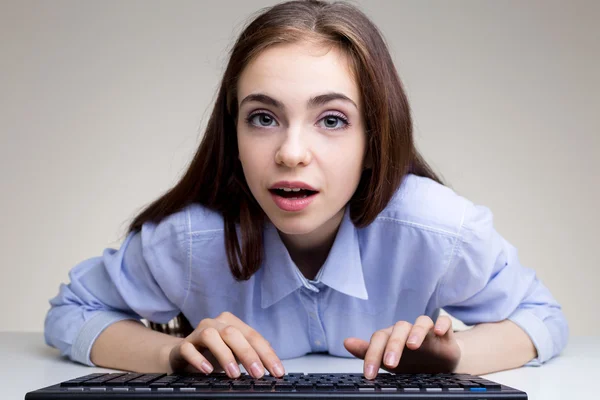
[(164, 356), (461, 346)]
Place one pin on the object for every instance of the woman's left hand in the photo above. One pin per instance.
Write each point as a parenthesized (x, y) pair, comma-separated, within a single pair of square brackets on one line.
[(408, 348)]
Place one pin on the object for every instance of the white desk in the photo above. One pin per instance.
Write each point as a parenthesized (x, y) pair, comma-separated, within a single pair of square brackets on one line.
[(28, 364)]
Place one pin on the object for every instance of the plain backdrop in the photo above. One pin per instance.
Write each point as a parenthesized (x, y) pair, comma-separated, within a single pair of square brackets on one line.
[(103, 103)]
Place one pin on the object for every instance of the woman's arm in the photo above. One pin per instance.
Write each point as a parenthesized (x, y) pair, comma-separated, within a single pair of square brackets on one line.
[(486, 286), (493, 346), (120, 285), (131, 346)]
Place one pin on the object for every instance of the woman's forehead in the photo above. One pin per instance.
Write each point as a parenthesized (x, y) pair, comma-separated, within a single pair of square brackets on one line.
[(296, 72)]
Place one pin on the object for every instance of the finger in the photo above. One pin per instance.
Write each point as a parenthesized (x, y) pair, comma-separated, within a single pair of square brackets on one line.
[(211, 339), (442, 325), (396, 343), (422, 326), (236, 341), (375, 352), (258, 342), (265, 352), (228, 318), (189, 352), (357, 347)]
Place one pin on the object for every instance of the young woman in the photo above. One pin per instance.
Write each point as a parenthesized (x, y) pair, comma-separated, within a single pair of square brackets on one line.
[(308, 222)]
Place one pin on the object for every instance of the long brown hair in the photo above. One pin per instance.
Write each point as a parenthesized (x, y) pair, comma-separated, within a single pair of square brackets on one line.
[(215, 178)]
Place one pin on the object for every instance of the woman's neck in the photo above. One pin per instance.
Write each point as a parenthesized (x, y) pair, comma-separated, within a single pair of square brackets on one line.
[(309, 251)]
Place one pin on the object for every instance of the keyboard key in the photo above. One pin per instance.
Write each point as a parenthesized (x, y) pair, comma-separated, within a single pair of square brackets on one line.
[(101, 380), (346, 386), (241, 385), (283, 387), (205, 385), (119, 381), (144, 379), (304, 386), (324, 386), (71, 383), (366, 385), (78, 381), (221, 386), (159, 384), (469, 385), (410, 386), (492, 386), (487, 384), (262, 383), (429, 386)]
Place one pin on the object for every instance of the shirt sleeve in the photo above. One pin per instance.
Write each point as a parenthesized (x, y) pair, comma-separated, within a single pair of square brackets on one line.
[(145, 278), (485, 282)]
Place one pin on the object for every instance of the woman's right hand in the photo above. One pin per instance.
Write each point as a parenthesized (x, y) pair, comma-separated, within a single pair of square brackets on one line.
[(223, 342)]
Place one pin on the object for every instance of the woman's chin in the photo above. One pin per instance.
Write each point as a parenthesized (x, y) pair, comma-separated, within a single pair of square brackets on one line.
[(297, 227)]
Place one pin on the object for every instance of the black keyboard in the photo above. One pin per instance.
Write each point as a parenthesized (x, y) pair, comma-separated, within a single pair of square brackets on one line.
[(122, 385)]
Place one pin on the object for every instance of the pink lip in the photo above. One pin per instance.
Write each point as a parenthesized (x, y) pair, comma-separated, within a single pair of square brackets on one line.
[(293, 185), (290, 204)]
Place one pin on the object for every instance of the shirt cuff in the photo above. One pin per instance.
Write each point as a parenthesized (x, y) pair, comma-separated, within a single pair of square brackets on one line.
[(91, 329), (538, 333)]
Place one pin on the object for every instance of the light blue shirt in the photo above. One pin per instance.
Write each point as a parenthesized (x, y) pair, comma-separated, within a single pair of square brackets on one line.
[(428, 249)]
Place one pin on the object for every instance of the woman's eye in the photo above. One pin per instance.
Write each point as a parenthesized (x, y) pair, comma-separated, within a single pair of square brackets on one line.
[(330, 121), (266, 118)]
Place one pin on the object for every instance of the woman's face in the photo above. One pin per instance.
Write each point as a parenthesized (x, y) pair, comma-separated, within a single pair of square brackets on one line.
[(289, 139)]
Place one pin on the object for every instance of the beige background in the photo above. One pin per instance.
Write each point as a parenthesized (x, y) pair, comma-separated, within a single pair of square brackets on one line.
[(102, 104)]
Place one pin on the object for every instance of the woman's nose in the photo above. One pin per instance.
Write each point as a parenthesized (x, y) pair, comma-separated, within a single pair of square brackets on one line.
[(293, 152)]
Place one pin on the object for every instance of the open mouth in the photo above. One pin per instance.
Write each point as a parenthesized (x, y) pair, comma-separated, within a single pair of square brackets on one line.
[(293, 193)]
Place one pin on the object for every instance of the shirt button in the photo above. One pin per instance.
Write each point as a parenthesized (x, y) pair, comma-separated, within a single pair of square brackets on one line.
[(318, 342)]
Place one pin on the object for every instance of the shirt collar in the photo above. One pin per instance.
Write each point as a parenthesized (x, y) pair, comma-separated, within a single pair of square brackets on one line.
[(342, 270)]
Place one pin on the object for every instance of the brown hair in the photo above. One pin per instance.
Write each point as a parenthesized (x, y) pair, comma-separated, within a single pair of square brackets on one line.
[(215, 178)]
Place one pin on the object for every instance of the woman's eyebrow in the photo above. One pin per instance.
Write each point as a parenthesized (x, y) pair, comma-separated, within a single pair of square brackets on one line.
[(313, 102)]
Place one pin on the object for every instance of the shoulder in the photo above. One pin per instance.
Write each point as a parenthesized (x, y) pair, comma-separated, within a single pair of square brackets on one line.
[(426, 204), (193, 219), (199, 220)]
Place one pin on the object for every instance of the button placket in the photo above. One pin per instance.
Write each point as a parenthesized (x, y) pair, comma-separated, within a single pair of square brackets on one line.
[(316, 332)]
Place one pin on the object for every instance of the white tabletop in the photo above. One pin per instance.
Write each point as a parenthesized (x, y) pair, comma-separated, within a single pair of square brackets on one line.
[(27, 364)]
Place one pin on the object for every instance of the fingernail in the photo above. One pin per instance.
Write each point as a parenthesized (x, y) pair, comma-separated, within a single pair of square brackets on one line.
[(278, 369), (233, 370), (390, 358), (257, 371), (205, 367), (413, 339), (370, 371)]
